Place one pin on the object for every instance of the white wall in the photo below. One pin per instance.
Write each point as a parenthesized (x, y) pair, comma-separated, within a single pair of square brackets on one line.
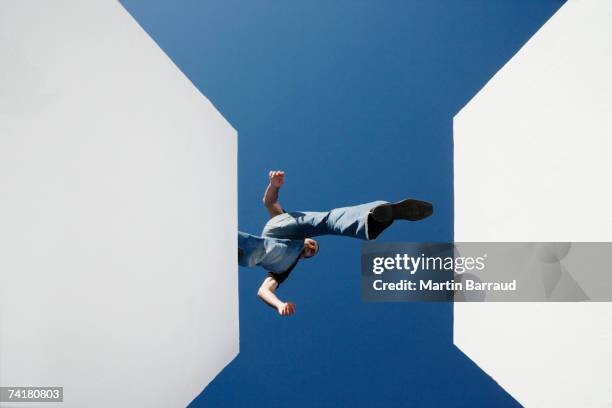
[(118, 218), (532, 163)]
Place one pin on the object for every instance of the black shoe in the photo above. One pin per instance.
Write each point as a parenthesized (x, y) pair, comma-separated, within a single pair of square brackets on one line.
[(412, 210)]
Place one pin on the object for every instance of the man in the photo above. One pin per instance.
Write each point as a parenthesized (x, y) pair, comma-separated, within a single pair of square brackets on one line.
[(286, 237)]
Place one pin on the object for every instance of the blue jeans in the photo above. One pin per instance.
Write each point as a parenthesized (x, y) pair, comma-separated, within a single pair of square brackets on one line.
[(282, 239), (345, 221)]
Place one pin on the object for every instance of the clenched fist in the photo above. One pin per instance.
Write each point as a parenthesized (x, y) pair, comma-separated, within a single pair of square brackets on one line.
[(286, 309), (277, 178)]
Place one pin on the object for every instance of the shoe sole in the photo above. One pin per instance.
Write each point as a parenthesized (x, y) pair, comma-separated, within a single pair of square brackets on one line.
[(411, 210)]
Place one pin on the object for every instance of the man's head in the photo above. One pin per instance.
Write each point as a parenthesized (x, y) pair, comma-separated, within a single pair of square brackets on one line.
[(311, 248)]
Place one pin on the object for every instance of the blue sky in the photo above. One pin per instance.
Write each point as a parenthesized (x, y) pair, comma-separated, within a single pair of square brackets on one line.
[(354, 100)]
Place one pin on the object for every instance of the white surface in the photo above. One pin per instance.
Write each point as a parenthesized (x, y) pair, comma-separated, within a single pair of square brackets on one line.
[(532, 163), (118, 274)]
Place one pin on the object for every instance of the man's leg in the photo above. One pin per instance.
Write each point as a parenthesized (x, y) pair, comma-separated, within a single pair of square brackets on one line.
[(346, 221), (365, 221), (354, 221)]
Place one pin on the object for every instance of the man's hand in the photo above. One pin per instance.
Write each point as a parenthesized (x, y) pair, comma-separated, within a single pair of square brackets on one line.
[(277, 178), (286, 309)]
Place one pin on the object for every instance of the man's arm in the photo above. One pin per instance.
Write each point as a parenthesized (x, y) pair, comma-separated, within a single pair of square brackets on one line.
[(270, 199), (266, 293)]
